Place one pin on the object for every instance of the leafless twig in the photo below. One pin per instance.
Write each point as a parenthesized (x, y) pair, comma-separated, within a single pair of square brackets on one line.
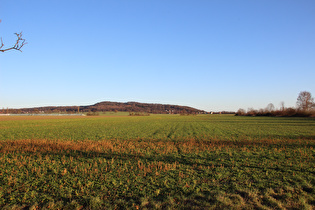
[(20, 42)]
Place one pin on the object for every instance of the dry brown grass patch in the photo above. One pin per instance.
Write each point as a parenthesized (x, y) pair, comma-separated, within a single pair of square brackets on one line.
[(135, 146)]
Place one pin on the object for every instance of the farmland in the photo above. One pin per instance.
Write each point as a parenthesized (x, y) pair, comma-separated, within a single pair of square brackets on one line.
[(157, 161)]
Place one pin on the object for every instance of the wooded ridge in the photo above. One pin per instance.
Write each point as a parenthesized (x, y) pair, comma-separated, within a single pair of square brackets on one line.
[(108, 106)]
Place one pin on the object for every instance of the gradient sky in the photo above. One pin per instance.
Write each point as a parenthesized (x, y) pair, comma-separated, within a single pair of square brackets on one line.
[(209, 54)]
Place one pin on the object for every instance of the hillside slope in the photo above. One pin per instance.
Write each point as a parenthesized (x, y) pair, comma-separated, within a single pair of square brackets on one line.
[(108, 106)]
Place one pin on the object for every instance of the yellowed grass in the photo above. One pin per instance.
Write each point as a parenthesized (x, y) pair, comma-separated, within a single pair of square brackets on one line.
[(140, 146)]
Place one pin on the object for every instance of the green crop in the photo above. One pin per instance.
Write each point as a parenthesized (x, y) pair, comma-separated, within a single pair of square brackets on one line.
[(157, 161), (161, 127)]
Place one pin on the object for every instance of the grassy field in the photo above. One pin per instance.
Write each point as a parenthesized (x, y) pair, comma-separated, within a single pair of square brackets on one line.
[(157, 161)]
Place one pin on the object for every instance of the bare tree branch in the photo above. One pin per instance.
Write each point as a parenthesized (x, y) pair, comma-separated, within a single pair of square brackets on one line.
[(20, 42)]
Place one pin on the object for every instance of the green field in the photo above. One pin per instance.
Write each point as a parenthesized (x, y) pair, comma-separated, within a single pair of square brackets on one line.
[(157, 161)]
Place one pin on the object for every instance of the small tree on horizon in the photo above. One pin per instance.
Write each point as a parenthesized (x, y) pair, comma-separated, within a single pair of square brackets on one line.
[(270, 107), (282, 106), (305, 101)]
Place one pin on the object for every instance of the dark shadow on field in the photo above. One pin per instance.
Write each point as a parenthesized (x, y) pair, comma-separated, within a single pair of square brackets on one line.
[(191, 199), (304, 137)]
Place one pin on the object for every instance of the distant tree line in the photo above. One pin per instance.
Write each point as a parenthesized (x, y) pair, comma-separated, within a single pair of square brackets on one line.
[(305, 107)]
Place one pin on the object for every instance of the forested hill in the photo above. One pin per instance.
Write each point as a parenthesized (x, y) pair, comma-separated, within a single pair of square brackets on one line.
[(108, 106)]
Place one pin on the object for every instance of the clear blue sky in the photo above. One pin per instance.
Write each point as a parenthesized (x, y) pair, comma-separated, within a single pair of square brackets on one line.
[(209, 54)]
